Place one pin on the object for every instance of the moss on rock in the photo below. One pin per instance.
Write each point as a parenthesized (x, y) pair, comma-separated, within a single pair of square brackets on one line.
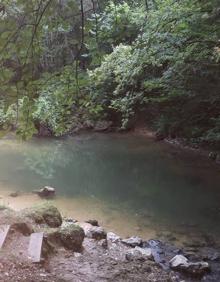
[(72, 236), (44, 214)]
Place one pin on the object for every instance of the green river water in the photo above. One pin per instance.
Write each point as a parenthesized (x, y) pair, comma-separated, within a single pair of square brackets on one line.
[(132, 184)]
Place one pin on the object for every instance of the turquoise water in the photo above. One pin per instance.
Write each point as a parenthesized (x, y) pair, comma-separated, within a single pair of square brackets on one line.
[(129, 173)]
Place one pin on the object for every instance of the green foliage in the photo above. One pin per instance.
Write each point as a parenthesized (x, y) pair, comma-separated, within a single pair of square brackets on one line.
[(62, 102), (173, 65), (142, 57)]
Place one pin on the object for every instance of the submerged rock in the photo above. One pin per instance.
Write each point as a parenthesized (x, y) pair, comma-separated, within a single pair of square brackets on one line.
[(72, 237), (14, 194), (93, 222), (181, 263), (46, 192), (44, 214), (133, 241)]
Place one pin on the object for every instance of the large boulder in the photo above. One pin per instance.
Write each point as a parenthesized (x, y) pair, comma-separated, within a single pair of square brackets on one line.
[(72, 236), (44, 214)]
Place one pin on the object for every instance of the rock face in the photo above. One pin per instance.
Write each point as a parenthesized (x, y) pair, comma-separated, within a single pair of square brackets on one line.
[(44, 214), (181, 263), (72, 236), (133, 241), (46, 192)]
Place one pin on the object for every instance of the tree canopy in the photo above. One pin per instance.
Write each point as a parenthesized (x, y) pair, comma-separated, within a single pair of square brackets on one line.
[(67, 62)]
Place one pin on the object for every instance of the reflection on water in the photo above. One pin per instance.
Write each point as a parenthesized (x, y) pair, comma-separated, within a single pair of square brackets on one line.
[(121, 180)]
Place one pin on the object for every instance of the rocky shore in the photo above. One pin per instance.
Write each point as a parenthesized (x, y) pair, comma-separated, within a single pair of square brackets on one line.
[(84, 251)]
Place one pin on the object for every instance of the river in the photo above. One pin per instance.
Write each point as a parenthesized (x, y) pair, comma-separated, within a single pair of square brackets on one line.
[(131, 184)]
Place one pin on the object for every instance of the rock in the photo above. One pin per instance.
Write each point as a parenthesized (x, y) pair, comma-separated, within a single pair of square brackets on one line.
[(103, 243), (133, 254), (181, 263), (72, 237), (93, 222), (166, 236), (14, 194), (177, 261), (146, 252), (88, 124), (95, 232), (195, 243), (44, 214), (159, 136), (70, 220), (46, 192), (52, 237), (209, 254), (133, 241), (197, 268), (24, 228), (113, 237), (213, 156), (102, 125), (138, 253)]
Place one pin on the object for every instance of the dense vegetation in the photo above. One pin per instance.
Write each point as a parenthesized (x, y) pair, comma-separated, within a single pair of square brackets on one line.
[(67, 63)]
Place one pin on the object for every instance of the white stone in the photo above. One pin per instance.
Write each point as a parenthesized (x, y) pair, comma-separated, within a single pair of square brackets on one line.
[(178, 260), (113, 237), (147, 252)]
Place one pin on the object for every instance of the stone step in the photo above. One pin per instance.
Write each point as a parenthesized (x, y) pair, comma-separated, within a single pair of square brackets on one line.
[(35, 247), (4, 229)]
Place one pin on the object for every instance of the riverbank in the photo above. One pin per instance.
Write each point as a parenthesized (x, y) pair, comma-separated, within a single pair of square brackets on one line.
[(84, 251), (180, 143)]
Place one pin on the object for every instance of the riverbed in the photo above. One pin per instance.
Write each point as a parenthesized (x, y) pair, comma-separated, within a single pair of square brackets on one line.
[(130, 183)]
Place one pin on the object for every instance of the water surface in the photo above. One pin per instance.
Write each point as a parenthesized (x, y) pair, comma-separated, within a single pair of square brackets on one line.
[(131, 184)]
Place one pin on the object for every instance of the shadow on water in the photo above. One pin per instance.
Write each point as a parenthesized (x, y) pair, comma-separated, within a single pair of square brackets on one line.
[(127, 173)]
